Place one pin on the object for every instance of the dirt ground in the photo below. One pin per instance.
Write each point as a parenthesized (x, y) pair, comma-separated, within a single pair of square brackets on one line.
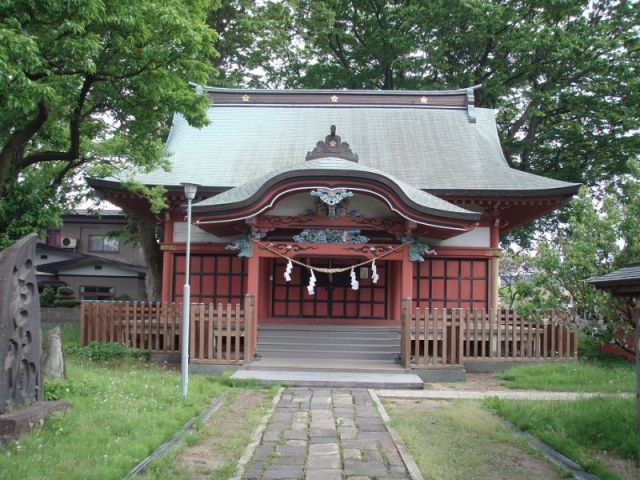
[(474, 381), (209, 455), (498, 460)]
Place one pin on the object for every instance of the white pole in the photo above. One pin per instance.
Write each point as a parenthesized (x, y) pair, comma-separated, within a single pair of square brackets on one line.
[(186, 299)]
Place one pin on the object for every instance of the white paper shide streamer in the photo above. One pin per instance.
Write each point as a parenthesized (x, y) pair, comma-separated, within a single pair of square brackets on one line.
[(287, 271), (311, 288), (374, 272), (354, 282)]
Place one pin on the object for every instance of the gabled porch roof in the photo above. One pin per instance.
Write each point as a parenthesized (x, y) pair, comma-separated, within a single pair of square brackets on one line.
[(259, 195)]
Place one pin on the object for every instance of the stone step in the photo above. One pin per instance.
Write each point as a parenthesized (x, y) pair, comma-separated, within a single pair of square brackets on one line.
[(333, 334), (327, 328), (391, 342), (332, 379), (362, 355), (336, 348), (326, 365)]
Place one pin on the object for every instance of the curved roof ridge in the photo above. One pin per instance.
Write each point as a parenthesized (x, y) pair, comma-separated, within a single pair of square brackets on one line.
[(247, 190), (303, 91)]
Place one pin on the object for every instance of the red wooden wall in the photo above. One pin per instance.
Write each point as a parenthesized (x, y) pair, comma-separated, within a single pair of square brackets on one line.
[(451, 283), (291, 299), (214, 278)]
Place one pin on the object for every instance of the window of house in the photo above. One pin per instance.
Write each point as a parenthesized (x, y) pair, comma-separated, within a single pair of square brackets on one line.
[(97, 293), (102, 243)]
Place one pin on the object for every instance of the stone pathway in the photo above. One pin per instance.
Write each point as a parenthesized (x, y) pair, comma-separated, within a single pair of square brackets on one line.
[(326, 434)]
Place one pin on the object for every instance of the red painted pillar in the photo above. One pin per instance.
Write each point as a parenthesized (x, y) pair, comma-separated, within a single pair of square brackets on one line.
[(167, 259), (494, 266), (253, 288), (406, 280)]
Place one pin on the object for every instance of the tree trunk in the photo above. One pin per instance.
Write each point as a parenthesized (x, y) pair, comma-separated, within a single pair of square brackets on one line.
[(636, 316), (148, 231)]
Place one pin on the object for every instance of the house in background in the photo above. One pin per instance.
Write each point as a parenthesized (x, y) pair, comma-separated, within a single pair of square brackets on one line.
[(82, 255)]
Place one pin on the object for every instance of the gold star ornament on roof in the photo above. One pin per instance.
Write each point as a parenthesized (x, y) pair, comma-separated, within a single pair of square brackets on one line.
[(334, 99), (246, 98), (424, 100)]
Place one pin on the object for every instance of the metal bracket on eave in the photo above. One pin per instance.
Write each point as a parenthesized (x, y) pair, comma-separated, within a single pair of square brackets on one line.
[(471, 107)]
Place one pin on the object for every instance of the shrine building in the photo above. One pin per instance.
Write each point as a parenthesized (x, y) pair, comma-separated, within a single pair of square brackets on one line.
[(330, 207)]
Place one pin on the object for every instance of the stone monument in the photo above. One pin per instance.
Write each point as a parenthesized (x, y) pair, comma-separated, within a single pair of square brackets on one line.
[(53, 365), (21, 382)]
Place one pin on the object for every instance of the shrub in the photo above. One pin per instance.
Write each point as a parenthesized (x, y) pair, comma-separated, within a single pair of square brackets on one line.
[(47, 297), (66, 298), (122, 298), (98, 352), (57, 389)]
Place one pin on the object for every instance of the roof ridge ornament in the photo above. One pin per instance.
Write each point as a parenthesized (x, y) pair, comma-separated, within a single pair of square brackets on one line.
[(333, 146)]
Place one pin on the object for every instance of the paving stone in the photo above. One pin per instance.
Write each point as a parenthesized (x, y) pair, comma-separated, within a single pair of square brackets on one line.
[(271, 436), (322, 432), (296, 460), (344, 412), (316, 440), (373, 436), (299, 426), (324, 461), (324, 449), (347, 433), (357, 443), (287, 450), (368, 469), (324, 474), (372, 455), (345, 422), (352, 453), (318, 426), (295, 435), (263, 451), (282, 472), (296, 443)]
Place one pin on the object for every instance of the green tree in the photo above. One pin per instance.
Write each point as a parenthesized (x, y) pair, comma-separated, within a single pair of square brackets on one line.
[(563, 76), (89, 87), (598, 237)]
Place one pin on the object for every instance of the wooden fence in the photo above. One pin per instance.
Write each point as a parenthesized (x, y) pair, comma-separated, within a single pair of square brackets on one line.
[(446, 337), (219, 334)]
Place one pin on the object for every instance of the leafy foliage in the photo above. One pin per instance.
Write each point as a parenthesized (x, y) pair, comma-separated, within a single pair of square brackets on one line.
[(100, 352), (47, 297), (597, 237), (89, 87), (65, 297)]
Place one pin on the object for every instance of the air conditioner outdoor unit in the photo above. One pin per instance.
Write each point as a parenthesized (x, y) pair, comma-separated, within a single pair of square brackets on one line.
[(68, 242)]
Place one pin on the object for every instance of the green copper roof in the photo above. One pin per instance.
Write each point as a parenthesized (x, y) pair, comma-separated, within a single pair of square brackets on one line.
[(436, 149), (330, 166)]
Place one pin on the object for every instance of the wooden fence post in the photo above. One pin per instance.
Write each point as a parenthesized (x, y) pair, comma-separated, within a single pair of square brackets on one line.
[(82, 324)]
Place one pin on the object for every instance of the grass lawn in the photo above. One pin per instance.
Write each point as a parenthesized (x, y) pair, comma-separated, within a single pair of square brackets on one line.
[(119, 414), (598, 433), (594, 372), (589, 376), (460, 440), (214, 450)]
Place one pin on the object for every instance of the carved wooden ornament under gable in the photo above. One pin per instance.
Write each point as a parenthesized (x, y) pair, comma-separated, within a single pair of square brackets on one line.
[(333, 146)]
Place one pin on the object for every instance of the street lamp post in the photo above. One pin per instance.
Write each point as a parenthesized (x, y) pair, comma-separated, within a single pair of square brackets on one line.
[(190, 190)]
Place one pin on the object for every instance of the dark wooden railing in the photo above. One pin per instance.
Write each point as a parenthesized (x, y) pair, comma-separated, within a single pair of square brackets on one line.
[(219, 334), (437, 337)]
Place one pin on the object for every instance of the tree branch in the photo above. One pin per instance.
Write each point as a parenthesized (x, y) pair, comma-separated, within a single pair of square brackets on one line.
[(19, 138), (74, 133)]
